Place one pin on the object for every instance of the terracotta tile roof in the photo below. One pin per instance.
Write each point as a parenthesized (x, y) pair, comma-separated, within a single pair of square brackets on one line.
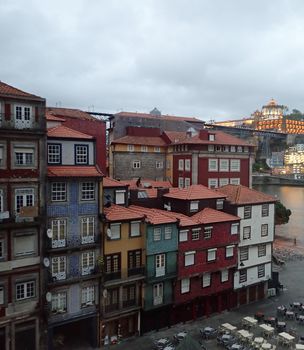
[(109, 182), (209, 215), (154, 216), (238, 194), (193, 192), (175, 136), (69, 112), (52, 117), (11, 91), (146, 183), (141, 140), (74, 171), (61, 131), (163, 117), (119, 213), (184, 220), (221, 138)]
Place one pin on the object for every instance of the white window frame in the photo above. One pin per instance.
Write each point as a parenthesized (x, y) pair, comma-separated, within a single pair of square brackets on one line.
[(81, 154), (187, 182), (224, 275), (87, 229), (144, 148), (1, 200), (239, 149), (2, 295), (28, 289), (157, 149), (87, 296), (194, 206), (187, 164), (224, 164), (235, 181), (208, 232), (189, 258), (183, 236), (181, 164), (264, 230), (120, 197), (30, 235), (210, 148), (88, 191), (235, 165), (230, 251), (135, 229), (261, 271), (185, 285), (206, 279), (195, 235), (226, 148), (243, 276), (211, 254), (130, 148), (59, 191), (213, 183), (232, 149), (158, 293), (235, 228), (157, 234), (244, 253), (136, 164), (247, 212), (265, 210), (23, 116), (24, 151), (115, 231), (59, 302), (212, 164), (159, 165), (2, 248), (262, 249), (59, 232), (160, 265), (219, 204), (54, 153), (87, 262), (211, 137), (168, 232), (180, 182), (59, 267), (2, 150), (26, 195), (246, 232)]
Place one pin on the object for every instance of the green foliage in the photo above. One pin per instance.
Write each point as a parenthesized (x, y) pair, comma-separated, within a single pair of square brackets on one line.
[(282, 214), (260, 166)]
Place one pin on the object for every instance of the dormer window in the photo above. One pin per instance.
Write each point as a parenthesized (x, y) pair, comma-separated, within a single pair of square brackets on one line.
[(211, 137), (81, 154), (193, 206), (23, 116), (219, 204)]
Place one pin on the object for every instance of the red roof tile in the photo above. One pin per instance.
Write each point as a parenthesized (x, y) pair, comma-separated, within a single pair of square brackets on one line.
[(146, 183), (119, 213), (193, 192), (209, 215), (163, 117), (73, 171), (184, 220), (109, 182), (61, 131), (175, 136), (238, 194), (52, 117), (154, 216), (11, 91), (141, 140), (69, 112)]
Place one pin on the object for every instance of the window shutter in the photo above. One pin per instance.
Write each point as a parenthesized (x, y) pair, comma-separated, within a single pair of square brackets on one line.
[(36, 114), (7, 111)]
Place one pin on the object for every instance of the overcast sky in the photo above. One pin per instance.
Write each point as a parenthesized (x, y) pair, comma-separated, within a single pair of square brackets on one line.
[(214, 59)]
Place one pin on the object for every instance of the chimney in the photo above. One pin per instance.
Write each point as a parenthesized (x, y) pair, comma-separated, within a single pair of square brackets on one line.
[(203, 134), (155, 112)]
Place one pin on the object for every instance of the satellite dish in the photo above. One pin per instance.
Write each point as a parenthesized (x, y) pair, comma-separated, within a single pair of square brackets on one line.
[(48, 297), (105, 293), (109, 233), (46, 262), (49, 233)]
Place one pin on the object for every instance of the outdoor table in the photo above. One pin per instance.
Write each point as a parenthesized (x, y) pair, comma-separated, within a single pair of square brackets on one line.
[(258, 340), (290, 315), (236, 346), (169, 347), (228, 327), (162, 342), (301, 318), (244, 333), (281, 325), (267, 330), (181, 335), (267, 346), (299, 346), (296, 305), (286, 337), (250, 321), (281, 310)]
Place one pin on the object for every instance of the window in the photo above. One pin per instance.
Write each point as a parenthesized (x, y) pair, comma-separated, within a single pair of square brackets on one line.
[(54, 153), (120, 197), (265, 210), (189, 258), (2, 247), (187, 164), (1, 201), (160, 265), (235, 165), (264, 230), (142, 194), (261, 250), (235, 181), (144, 148), (25, 290), (212, 183), (131, 148), (243, 276), (185, 285), (235, 229), (208, 232), (24, 244), (59, 267), (88, 191), (87, 229), (218, 148), (24, 197), (183, 236), (24, 156), (129, 295), (212, 165), (112, 300), (81, 154), (210, 148), (224, 164), (59, 229), (226, 148), (196, 234), (211, 254), (211, 137), (247, 232), (157, 234), (187, 182), (156, 149), (135, 229), (206, 279), (246, 149), (168, 164), (224, 275), (158, 291), (261, 271), (115, 231), (1, 155), (87, 296), (229, 251), (247, 212), (193, 206), (136, 164), (112, 263), (59, 302), (59, 192), (23, 114), (223, 181), (1, 295), (180, 182), (180, 164), (232, 149), (244, 253), (219, 204), (239, 149), (134, 262), (168, 232), (159, 165), (88, 262)]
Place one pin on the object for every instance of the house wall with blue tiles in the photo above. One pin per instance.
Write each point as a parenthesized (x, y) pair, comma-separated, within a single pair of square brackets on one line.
[(163, 245)]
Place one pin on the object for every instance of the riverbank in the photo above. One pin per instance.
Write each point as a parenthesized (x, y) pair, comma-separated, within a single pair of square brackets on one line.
[(266, 179), (288, 249)]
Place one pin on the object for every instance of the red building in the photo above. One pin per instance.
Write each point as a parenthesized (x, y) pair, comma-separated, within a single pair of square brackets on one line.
[(211, 158)]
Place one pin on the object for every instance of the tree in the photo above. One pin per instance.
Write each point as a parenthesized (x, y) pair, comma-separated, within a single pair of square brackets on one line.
[(282, 214)]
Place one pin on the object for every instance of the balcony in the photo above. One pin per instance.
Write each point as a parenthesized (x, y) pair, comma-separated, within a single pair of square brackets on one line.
[(110, 276), (136, 271), (129, 303), (69, 277), (75, 243), (111, 307)]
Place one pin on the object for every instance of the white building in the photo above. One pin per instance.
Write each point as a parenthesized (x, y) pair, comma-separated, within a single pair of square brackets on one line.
[(256, 211)]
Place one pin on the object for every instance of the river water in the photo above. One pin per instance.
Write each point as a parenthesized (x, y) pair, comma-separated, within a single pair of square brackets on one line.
[(293, 198)]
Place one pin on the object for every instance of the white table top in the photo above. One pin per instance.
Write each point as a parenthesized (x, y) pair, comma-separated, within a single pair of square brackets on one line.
[(300, 346), (266, 327), (296, 303), (181, 334), (228, 326), (266, 346), (244, 333), (286, 336), (289, 313), (162, 341), (250, 320), (258, 340)]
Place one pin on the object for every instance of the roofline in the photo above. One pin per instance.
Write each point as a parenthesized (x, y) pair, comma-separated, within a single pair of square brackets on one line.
[(32, 98)]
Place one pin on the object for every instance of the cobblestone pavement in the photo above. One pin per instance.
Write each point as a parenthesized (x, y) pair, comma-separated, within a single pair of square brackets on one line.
[(292, 278)]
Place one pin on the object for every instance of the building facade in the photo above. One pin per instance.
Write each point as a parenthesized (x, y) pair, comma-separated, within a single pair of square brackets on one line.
[(22, 213)]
